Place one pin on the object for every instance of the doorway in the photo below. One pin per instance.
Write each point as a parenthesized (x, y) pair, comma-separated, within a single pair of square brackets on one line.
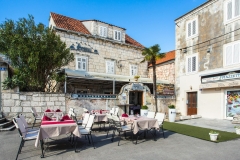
[(135, 98), (191, 103)]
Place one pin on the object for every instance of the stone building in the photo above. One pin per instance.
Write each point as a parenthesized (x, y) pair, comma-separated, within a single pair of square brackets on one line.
[(165, 68), (208, 59), (106, 61)]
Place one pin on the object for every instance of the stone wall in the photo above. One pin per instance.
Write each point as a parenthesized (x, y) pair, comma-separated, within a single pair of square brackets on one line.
[(17, 103)]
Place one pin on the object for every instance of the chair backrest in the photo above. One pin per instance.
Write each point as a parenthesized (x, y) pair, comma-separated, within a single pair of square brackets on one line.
[(115, 118), (85, 119), (85, 110), (112, 111), (33, 110), (70, 112), (23, 120), (160, 117), (21, 128), (116, 111), (151, 114), (90, 122)]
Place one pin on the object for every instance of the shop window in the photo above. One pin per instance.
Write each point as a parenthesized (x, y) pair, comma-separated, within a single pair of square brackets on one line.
[(110, 67), (233, 103), (117, 35), (103, 31), (192, 28), (192, 64), (81, 63), (232, 53), (231, 10), (133, 70)]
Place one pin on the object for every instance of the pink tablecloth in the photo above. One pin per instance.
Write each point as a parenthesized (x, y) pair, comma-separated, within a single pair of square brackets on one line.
[(141, 123), (50, 129), (100, 118)]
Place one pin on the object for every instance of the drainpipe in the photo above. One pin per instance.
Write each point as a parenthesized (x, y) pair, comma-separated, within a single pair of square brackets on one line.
[(65, 84)]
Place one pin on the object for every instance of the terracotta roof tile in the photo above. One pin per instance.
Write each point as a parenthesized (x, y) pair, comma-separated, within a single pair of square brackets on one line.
[(69, 23), (169, 56), (129, 40), (77, 26)]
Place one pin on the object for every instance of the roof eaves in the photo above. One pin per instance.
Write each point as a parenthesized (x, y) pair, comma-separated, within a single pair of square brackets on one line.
[(103, 22)]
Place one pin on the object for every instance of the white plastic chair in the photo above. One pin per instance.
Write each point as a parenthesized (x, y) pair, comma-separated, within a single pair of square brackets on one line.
[(24, 134), (85, 121), (151, 114), (160, 118), (116, 111), (22, 118), (35, 115), (87, 130), (112, 111)]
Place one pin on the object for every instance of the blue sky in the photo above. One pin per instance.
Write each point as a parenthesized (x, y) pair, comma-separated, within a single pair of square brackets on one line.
[(147, 21)]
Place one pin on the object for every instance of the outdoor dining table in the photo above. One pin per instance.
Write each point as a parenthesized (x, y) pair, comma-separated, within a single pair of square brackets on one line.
[(141, 123), (50, 129)]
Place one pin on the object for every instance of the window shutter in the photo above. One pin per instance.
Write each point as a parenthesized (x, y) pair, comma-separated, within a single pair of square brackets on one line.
[(105, 32), (194, 64), (115, 34), (189, 65), (84, 63), (194, 27), (119, 36), (79, 63), (236, 53), (228, 55), (237, 7), (229, 10), (100, 31), (189, 29)]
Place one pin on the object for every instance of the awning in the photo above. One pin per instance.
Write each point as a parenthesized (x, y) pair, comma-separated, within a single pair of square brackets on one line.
[(110, 77), (220, 84)]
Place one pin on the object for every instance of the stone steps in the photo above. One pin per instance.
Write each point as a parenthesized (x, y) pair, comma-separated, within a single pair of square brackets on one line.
[(6, 125)]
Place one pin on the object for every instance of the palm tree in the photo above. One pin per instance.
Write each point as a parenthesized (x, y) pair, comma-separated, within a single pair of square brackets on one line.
[(151, 55)]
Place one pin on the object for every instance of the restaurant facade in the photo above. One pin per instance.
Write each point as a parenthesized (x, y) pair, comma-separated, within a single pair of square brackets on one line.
[(106, 61)]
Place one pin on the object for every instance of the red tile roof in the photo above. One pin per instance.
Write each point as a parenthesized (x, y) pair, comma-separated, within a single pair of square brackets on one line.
[(69, 23), (168, 56), (77, 26), (131, 41)]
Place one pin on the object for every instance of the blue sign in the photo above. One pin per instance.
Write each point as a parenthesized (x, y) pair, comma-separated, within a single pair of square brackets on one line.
[(3, 69)]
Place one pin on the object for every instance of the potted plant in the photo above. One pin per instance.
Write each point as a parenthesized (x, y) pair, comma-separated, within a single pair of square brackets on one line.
[(171, 113), (213, 135), (136, 77), (237, 129), (144, 110)]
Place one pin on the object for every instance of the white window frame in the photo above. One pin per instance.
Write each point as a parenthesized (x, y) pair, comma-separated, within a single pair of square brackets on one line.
[(113, 67), (191, 23), (233, 6), (189, 61), (132, 72), (86, 63), (119, 35), (103, 31), (234, 48)]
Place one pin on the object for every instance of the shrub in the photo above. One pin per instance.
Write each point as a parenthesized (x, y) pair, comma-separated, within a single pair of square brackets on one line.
[(144, 107), (171, 106)]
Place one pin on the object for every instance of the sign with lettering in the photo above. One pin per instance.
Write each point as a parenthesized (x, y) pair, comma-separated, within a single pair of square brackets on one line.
[(231, 75), (165, 89), (83, 49), (137, 86), (219, 85)]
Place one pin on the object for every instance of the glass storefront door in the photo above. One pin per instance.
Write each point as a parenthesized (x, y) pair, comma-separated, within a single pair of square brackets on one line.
[(233, 103)]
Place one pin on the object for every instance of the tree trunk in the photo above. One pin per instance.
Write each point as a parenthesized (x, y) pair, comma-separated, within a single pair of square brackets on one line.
[(154, 84)]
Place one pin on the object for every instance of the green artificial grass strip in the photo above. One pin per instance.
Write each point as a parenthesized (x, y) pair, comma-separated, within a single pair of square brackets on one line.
[(199, 132)]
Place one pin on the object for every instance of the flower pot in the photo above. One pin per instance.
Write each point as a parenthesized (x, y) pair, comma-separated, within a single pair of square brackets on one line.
[(238, 131), (171, 115), (144, 112), (213, 136)]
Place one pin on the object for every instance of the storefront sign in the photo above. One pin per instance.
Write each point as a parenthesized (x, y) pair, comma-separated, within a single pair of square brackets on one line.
[(165, 89), (137, 86), (220, 85), (220, 78), (83, 49)]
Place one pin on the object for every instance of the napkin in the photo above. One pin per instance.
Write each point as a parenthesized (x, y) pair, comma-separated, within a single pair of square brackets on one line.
[(58, 110), (124, 115), (66, 117), (48, 110), (46, 118)]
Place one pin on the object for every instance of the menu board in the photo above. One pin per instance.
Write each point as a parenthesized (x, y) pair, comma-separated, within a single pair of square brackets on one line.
[(165, 89), (233, 103)]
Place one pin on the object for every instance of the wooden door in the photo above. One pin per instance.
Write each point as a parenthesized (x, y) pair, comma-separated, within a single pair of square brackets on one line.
[(191, 103)]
